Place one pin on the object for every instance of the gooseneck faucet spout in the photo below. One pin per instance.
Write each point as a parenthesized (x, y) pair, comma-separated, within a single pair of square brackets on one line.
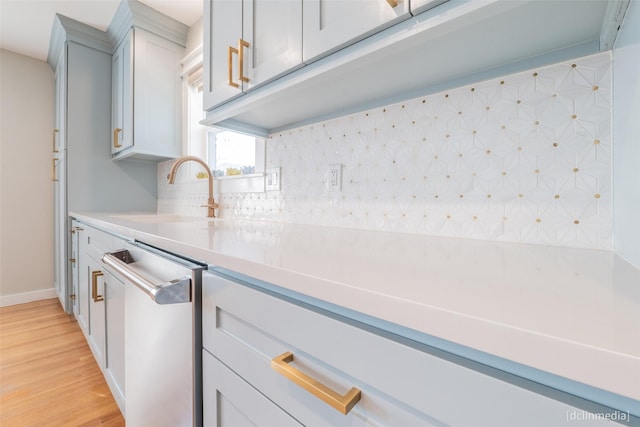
[(211, 204)]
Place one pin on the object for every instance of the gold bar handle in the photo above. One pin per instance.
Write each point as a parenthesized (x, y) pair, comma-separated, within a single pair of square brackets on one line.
[(54, 175), (392, 3), (94, 286), (55, 148), (241, 76), (231, 51), (116, 131), (342, 403)]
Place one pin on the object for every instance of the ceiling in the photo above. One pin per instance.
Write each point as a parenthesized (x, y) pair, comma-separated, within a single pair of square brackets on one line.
[(25, 25)]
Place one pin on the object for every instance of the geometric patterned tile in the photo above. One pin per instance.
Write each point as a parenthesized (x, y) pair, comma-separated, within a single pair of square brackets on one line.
[(522, 158)]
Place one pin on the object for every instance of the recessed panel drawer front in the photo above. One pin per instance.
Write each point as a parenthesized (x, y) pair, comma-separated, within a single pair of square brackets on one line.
[(99, 242), (229, 401), (401, 385)]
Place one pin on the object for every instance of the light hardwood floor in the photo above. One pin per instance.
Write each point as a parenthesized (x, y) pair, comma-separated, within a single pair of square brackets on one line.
[(48, 376)]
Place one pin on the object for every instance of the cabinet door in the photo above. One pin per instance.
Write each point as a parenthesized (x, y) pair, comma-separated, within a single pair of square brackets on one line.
[(97, 339), (329, 25), (122, 96), (222, 30), (229, 401), (114, 292), (156, 95), (61, 98), (59, 176), (273, 30), (84, 277), (73, 261)]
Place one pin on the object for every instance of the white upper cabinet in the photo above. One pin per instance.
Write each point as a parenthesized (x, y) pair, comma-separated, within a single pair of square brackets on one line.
[(331, 24), (248, 43), (146, 85), (419, 6), (365, 53), (121, 86)]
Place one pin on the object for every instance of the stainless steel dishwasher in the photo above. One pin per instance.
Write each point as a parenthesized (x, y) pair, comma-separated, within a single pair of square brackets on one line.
[(163, 339)]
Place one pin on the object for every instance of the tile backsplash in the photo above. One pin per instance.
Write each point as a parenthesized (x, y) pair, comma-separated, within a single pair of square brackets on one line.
[(522, 158)]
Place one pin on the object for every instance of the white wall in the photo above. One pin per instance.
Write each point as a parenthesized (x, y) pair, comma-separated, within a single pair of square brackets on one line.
[(26, 192), (626, 134)]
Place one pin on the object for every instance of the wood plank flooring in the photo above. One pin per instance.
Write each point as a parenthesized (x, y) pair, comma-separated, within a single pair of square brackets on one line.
[(48, 376)]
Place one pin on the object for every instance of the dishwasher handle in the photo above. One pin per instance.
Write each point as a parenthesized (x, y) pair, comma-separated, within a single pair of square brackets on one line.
[(171, 292)]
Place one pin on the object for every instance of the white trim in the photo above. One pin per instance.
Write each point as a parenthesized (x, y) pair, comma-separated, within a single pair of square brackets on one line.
[(7, 300)]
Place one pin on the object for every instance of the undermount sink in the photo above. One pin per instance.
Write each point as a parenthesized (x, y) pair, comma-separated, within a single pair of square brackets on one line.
[(160, 218)]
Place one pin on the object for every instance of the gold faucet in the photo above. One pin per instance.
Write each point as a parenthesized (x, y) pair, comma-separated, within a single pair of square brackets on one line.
[(211, 204)]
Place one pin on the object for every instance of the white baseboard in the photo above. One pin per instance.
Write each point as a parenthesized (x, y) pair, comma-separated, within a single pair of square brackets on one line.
[(6, 300)]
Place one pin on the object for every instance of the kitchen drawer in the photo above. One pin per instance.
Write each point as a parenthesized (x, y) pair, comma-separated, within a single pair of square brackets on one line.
[(231, 402), (99, 242), (400, 384)]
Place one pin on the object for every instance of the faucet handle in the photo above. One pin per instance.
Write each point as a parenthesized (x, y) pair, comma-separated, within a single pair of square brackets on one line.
[(211, 205)]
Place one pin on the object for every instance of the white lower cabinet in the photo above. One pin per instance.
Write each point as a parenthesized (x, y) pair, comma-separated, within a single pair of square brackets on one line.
[(100, 305), (96, 336), (229, 401), (244, 329)]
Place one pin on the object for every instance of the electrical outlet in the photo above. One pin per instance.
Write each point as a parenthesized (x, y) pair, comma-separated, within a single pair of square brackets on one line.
[(333, 178), (272, 181)]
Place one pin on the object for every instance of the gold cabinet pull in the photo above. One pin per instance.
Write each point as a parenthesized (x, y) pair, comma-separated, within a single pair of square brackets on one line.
[(242, 44), (55, 147), (54, 175), (342, 403), (72, 260), (94, 286), (392, 3), (116, 131), (231, 51)]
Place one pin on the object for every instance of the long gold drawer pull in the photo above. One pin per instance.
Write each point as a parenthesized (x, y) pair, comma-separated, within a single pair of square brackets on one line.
[(116, 142), (94, 286), (55, 133), (54, 175), (231, 51), (342, 403), (242, 44), (392, 3)]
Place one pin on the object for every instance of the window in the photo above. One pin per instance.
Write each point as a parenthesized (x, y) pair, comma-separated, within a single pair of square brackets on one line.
[(230, 155)]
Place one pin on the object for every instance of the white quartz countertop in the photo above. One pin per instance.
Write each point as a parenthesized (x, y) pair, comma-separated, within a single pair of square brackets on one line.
[(570, 312)]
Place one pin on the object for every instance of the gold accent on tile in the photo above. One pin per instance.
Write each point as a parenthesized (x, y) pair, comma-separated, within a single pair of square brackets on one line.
[(535, 74), (557, 196), (574, 116), (574, 65), (595, 88), (537, 171), (555, 144), (575, 170), (597, 195), (596, 141), (538, 220), (501, 82), (488, 196), (576, 222)]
